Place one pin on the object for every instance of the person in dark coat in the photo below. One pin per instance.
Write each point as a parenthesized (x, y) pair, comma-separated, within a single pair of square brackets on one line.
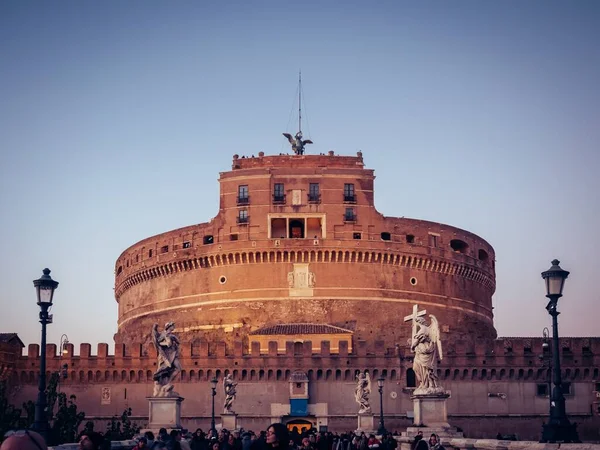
[(278, 437)]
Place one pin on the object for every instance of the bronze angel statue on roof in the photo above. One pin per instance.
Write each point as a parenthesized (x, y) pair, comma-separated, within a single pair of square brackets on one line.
[(297, 142)]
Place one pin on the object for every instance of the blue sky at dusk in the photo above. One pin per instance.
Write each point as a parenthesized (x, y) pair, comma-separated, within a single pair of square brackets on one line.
[(117, 117)]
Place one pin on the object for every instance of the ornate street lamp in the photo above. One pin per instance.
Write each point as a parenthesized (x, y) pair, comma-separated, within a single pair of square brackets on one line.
[(381, 430), (558, 428), (546, 358), (213, 386), (45, 287), (64, 345), (64, 350)]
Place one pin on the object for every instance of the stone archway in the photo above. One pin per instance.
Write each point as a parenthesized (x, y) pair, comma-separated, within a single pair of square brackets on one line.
[(301, 425)]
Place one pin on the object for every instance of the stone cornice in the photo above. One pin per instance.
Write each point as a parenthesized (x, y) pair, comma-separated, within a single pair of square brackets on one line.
[(320, 255)]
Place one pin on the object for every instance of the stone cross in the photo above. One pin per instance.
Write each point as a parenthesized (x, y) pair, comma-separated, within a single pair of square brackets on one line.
[(415, 313)]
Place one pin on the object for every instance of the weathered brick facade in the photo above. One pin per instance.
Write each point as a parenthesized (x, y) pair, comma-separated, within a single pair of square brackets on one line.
[(223, 279), (298, 241)]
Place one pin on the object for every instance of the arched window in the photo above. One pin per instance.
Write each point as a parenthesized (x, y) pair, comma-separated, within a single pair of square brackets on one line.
[(411, 379), (459, 246)]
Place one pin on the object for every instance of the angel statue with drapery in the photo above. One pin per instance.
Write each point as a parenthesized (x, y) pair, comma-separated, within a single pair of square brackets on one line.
[(230, 392), (362, 392), (167, 346), (427, 347)]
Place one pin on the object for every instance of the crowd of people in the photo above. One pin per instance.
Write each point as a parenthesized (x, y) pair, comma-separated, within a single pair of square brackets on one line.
[(275, 437)]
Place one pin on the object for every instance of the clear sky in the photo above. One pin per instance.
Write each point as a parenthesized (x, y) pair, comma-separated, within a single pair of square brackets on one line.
[(117, 116)]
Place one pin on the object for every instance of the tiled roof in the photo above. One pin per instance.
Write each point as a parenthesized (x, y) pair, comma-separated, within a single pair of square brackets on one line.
[(300, 328), (10, 338)]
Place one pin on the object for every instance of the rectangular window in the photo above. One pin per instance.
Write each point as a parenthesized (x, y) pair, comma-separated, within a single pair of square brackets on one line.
[(357, 236), (542, 390), (349, 193), (242, 216), (187, 244), (243, 197), (314, 196), (433, 240), (208, 239), (164, 249), (278, 193), (233, 237), (149, 253), (349, 216)]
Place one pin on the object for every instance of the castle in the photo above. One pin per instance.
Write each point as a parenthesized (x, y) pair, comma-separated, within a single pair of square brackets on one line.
[(296, 285)]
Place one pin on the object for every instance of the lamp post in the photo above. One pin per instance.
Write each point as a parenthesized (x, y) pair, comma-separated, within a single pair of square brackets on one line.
[(44, 287), (64, 350), (546, 358), (213, 386), (558, 428), (381, 430)]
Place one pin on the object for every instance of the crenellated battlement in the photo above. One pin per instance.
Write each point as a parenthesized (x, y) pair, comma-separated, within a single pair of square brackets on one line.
[(500, 359), (329, 160)]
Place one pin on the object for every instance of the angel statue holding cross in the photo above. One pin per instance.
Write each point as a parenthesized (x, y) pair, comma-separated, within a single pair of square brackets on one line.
[(427, 347)]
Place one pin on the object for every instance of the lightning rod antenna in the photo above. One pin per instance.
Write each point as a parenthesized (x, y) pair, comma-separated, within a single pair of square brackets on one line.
[(300, 101)]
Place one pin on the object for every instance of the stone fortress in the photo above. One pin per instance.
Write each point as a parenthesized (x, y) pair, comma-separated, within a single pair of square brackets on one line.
[(293, 288)]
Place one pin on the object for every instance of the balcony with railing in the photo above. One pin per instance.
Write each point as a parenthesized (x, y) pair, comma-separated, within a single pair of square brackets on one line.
[(314, 198), (279, 199), (350, 217), (243, 200), (243, 220), (349, 198)]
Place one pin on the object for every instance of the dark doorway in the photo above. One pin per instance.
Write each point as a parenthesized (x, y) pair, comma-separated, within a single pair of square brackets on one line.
[(296, 229)]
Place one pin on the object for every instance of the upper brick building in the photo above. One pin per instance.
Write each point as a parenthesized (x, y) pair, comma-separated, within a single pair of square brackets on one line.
[(298, 240)]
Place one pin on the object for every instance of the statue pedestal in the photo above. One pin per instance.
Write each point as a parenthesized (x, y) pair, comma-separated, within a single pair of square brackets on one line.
[(366, 422), (430, 410), (165, 412), (431, 416), (229, 421)]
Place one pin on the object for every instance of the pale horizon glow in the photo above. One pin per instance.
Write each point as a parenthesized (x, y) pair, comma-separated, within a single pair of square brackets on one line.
[(117, 117)]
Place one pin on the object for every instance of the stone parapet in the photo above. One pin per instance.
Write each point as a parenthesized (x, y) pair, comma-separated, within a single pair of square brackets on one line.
[(493, 444)]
